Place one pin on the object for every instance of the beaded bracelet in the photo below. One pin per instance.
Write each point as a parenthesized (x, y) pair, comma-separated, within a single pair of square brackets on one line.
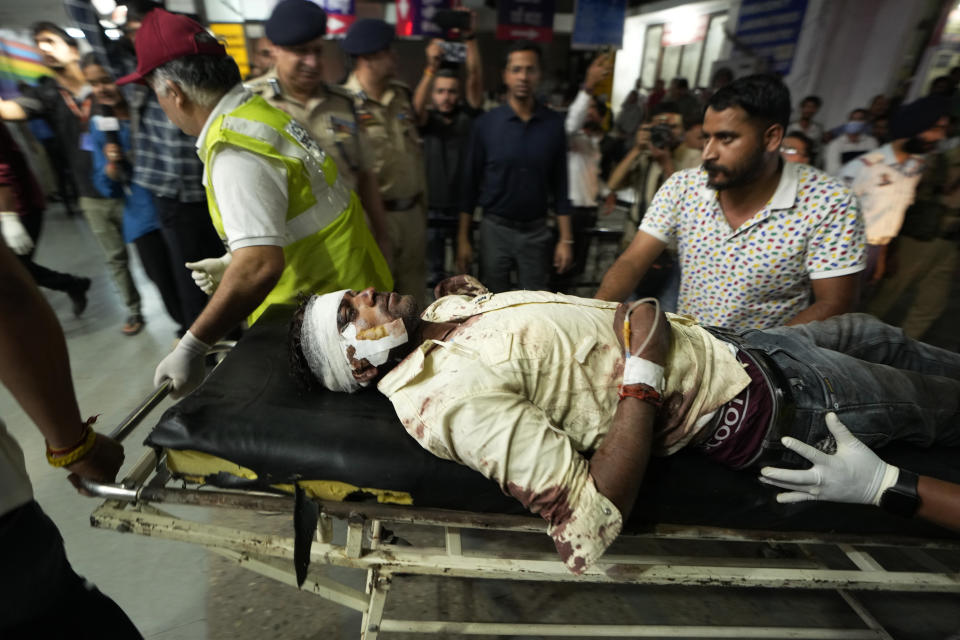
[(642, 392), (68, 455)]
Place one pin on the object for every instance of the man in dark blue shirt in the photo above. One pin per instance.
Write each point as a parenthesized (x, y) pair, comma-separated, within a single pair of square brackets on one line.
[(516, 162)]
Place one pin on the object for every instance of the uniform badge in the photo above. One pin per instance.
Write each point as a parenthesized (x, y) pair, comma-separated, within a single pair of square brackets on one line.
[(340, 125), (298, 133)]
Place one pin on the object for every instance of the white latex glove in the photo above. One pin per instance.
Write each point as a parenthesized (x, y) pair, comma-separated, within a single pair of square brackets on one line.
[(208, 273), (853, 474), (183, 366), (15, 234)]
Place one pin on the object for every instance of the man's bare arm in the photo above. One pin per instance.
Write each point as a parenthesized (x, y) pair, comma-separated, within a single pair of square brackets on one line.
[(34, 364), (619, 464), (421, 95), (624, 275), (622, 169), (35, 367), (7, 200), (473, 89), (252, 274), (832, 297), (939, 502)]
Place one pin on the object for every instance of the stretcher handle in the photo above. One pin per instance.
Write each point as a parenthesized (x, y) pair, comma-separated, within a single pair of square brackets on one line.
[(128, 424), (136, 416), (156, 396)]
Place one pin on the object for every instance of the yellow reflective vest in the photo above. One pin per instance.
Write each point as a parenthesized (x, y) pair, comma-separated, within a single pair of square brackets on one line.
[(327, 244)]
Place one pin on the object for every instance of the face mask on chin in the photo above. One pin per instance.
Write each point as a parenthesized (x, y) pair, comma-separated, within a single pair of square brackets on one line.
[(855, 127)]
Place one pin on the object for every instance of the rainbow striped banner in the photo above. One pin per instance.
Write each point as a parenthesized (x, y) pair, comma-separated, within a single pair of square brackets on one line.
[(19, 62)]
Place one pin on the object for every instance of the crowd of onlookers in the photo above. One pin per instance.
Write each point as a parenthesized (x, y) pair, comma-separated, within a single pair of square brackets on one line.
[(427, 161), (743, 212)]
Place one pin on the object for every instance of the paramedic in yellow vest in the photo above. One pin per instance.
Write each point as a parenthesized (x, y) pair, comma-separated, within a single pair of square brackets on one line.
[(385, 113), (274, 196), (296, 30)]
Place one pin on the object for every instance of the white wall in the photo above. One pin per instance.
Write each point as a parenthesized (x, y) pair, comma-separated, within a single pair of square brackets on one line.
[(634, 29), (849, 51)]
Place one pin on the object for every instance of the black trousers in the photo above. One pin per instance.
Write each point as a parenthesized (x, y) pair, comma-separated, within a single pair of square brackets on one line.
[(66, 184), (44, 276), (155, 256), (41, 596), (581, 219), (505, 248), (190, 236)]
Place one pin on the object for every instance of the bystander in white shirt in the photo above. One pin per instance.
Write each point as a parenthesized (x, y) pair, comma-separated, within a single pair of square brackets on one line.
[(583, 155), (885, 188)]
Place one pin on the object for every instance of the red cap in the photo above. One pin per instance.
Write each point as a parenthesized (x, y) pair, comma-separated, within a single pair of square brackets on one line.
[(165, 36)]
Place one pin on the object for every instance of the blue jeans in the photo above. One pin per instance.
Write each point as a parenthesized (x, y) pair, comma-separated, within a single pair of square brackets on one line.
[(883, 386)]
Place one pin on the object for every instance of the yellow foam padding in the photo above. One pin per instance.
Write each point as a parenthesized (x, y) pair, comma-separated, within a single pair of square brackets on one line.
[(194, 466)]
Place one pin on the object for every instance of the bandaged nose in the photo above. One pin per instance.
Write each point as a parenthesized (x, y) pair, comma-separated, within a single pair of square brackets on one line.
[(373, 344)]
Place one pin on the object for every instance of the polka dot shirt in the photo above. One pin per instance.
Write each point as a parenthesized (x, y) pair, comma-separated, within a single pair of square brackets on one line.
[(758, 275)]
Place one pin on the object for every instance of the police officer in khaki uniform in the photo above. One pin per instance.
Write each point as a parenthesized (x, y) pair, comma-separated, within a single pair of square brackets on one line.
[(295, 84), (385, 113)]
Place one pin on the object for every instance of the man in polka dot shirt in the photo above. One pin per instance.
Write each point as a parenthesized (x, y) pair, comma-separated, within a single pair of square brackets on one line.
[(757, 238)]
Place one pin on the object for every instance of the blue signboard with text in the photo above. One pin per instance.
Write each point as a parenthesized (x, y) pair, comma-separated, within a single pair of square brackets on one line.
[(769, 29), (525, 20), (598, 23)]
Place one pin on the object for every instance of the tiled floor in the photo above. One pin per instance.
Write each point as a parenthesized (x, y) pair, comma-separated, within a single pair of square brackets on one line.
[(175, 591)]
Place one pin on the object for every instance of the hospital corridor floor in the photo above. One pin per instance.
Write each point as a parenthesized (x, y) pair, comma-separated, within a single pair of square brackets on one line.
[(177, 591)]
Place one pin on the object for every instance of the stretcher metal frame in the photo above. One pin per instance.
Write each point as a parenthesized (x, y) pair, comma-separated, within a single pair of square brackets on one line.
[(130, 507)]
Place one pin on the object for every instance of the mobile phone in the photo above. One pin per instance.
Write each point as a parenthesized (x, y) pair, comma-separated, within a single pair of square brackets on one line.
[(454, 52), (448, 19)]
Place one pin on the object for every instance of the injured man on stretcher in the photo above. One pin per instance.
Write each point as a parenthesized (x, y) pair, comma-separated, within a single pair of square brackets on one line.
[(561, 402)]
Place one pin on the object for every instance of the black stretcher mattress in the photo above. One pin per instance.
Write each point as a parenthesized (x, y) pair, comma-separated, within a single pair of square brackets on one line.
[(250, 412)]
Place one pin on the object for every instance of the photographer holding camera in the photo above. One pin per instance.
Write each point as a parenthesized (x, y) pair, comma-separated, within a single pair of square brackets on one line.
[(659, 151), (445, 120)]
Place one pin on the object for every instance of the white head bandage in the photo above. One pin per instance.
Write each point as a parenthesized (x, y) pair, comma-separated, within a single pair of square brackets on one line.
[(327, 350), (320, 342)]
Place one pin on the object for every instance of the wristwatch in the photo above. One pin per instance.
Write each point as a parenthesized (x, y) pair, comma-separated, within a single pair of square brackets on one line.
[(902, 498)]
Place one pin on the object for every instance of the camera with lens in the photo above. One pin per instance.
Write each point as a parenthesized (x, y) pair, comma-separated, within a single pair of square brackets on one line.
[(661, 136)]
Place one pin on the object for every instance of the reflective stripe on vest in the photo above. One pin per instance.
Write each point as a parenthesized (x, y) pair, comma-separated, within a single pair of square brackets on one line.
[(332, 195)]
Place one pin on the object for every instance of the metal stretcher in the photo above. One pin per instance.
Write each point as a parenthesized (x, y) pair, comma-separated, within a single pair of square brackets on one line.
[(246, 439)]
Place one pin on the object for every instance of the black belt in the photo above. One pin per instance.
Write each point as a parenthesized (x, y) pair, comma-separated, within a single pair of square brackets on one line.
[(401, 204), (520, 225), (784, 407)]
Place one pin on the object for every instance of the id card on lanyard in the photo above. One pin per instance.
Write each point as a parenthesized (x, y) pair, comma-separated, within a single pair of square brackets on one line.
[(82, 111)]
